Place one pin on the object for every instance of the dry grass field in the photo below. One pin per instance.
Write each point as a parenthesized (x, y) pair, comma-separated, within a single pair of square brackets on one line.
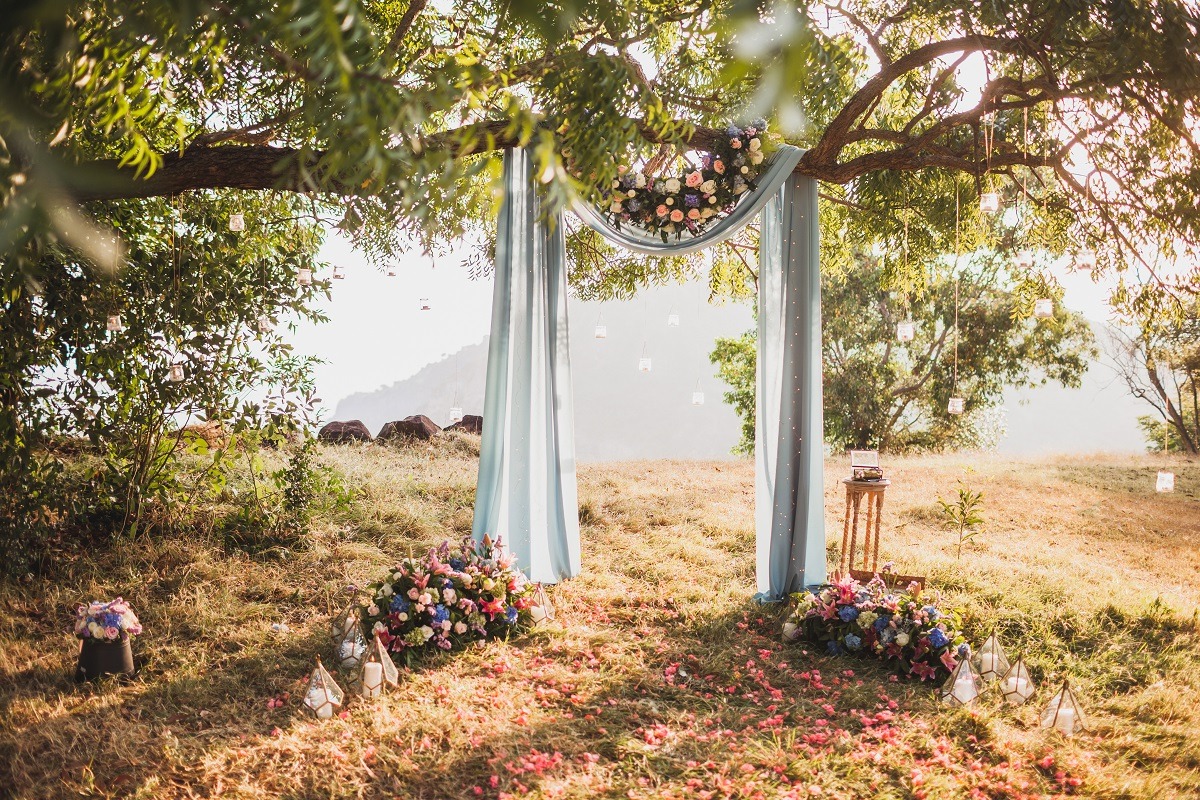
[(659, 679)]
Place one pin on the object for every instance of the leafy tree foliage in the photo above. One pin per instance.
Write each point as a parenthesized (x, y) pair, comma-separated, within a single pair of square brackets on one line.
[(881, 393)]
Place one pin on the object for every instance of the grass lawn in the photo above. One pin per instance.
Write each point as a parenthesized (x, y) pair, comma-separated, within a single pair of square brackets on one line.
[(659, 678)]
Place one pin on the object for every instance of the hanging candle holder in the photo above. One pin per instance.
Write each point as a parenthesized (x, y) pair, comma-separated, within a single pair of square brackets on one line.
[(542, 609), (672, 320), (989, 202), (176, 373), (264, 325), (1165, 482), (1017, 684), (991, 661), (1024, 259), (906, 331), (1085, 259), (114, 324), (304, 276), (352, 648), (601, 328), (425, 305), (237, 223), (378, 670), (644, 364), (963, 685), (456, 414), (339, 274), (1043, 308), (391, 272), (323, 695), (956, 405), (1063, 713), (697, 394)]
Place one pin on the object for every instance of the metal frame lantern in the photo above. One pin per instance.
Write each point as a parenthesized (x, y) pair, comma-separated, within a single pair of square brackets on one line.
[(304, 276), (906, 331), (956, 405), (352, 648), (1063, 713), (864, 465), (542, 609), (176, 373), (456, 414), (114, 324), (672, 320), (1085, 259), (342, 623), (991, 661), (425, 304), (989, 202), (339, 274), (963, 686), (323, 695), (1043, 308), (237, 223), (1164, 482), (1017, 684), (372, 681)]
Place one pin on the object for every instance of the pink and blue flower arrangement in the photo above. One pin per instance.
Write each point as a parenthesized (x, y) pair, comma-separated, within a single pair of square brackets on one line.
[(106, 622), (693, 200), (922, 637), (453, 596)]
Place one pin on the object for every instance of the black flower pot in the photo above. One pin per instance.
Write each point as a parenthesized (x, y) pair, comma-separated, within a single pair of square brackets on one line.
[(98, 658)]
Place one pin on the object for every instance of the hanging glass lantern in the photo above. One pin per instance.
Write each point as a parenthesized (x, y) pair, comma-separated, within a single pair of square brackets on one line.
[(956, 405), (542, 609), (991, 661), (644, 364), (264, 325), (114, 324), (1043, 308), (237, 223), (989, 202), (1165, 482), (672, 320), (906, 331), (456, 414), (339, 274), (176, 373), (697, 398), (1024, 259), (304, 276), (378, 670), (1085, 259), (1017, 685), (1063, 713), (601, 331), (425, 306), (323, 696), (391, 272), (352, 648), (963, 685)]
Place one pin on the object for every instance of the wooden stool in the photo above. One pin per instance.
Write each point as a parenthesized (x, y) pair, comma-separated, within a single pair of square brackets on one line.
[(855, 492)]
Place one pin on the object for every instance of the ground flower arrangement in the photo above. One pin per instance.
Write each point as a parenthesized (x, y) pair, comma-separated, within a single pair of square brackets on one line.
[(871, 620), (690, 202), (106, 622), (453, 596)]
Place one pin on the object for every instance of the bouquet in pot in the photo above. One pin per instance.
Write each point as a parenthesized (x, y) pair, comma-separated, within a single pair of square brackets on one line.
[(106, 622)]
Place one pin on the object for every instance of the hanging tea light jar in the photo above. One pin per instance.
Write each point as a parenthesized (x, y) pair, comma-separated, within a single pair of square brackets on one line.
[(304, 276), (176, 373), (644, 364), (956, 405), (991, 661), (906, 331), (672, 320), (1165, 482), (1017, 685), (323, 695), (989, 202), (339, 274), (697, 394), (264, 324), (601, 328), (1085, 259), (1024, 259), (456, 414), (1043, 308), (377, 670), (1063, 713), (962, 687), (425, 306), (542, 609), (391, 272), (114, 324), (237, 223)]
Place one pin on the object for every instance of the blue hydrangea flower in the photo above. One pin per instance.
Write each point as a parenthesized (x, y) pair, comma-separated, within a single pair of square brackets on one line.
[(400, 605), (853, 642), (932, 612), (938, 638), (964, 650), (511, 615), (848, 614), (733, 130), (834, 649), (457, 564), (112, 620), (881, 623), (440, 613)]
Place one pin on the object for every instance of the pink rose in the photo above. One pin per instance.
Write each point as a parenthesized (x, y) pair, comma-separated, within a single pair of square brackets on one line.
[(677, 216), (661, 211), (694, 179), (736, 144), (694, 214), (719, 166), (111, 632), (413, 593)]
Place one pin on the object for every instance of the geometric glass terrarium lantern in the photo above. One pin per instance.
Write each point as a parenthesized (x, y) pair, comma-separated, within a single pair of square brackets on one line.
[(672, 320), (644, 364), (425, 304), (1017, 684), (342, 624), (377, 669), (963, 685), (323, 696), (1043, 308), (906, 331), (1165, 482), (601, 330), (864, 465), (352, 648), (1063, 713), (989, 202), (697, 398), (991, 661), (542, 609), (339, 274), (456, 414), (956, 405)]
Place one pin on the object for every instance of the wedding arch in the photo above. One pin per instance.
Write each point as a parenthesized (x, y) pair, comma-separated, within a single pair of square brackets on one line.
[(526, 492)]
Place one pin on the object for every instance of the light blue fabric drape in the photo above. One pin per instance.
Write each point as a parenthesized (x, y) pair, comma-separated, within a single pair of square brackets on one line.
[(526, 493), (789, 438)]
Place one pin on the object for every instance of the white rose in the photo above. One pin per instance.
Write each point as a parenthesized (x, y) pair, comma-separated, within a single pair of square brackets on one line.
[(755, 143), (372, 609), (488, 583), (446, 625), (386, 591), (616, 205), (902, 639), (379, 626), (756, 158), (396, 576), (639, 181), (745, 170), (631, 193), (709, 186), (426, 631), (672, 185)]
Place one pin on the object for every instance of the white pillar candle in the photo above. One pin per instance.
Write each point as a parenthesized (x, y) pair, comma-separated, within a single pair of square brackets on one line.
[(325, 711), (1065, 721), (372, 682), (989, 663), (1015, 684)]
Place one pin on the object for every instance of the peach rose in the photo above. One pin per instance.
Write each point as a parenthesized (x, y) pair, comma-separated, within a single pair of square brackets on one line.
[(719, 166), (677, 216), (694, 214), (661, 211), (694, 179), (736, 144)]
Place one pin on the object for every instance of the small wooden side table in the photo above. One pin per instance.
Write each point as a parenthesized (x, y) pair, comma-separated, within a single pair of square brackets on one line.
[(855, 492)]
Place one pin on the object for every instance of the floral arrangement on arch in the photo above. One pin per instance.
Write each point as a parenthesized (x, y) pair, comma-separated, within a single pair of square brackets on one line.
[(451, 597), (691, 201), (870, 620), (106, 622)]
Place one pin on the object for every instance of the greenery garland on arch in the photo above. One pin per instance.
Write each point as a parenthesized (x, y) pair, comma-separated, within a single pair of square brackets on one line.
[(695, 199)]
